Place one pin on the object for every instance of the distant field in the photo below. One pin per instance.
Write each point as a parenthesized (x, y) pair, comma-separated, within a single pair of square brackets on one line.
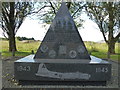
[(25, 48)]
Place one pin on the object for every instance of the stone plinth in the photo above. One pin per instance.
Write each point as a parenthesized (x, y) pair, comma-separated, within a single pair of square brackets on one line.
[(62, 70)]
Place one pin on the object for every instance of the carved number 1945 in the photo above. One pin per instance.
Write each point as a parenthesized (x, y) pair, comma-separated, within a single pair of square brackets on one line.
[(102, 69)]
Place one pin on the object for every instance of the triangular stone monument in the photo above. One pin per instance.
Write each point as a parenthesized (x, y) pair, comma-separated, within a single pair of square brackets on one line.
[(62, 58), (62, 41)]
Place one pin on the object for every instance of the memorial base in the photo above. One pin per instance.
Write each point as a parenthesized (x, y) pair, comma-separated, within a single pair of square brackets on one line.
[(62, 71), (65, 83)]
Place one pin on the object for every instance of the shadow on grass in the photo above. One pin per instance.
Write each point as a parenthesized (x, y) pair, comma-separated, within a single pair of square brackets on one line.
[(94, 53), (104, 55)]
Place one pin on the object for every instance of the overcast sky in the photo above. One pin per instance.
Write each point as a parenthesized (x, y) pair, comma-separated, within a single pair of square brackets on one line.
[(32, 28)]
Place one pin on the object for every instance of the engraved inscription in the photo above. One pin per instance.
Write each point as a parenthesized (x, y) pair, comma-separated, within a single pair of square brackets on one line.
[(72, 54), (52, 53), (101, 69), (62, 49), (23, 68)]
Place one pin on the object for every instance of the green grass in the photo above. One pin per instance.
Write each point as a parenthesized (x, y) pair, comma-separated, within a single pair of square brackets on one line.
[(25, 48)]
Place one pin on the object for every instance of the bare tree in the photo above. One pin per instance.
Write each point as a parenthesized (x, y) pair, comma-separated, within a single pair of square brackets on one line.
[(13, 15), (106, 16)]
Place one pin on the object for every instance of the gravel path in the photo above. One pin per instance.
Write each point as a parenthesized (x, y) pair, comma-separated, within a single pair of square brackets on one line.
[(8, 80)]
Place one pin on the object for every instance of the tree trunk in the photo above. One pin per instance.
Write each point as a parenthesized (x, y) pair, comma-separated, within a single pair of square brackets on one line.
[(111, 47), (12, 43), (111, 42), (11, 27)]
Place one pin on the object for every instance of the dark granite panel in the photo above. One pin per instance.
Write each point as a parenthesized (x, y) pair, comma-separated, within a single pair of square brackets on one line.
[(62, 71), (62, 41)]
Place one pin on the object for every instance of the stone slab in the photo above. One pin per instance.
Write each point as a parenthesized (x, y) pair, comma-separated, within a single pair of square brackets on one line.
[(62, 40), (62, 70)]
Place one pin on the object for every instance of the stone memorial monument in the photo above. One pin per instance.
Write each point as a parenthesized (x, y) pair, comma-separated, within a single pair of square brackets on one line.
[(62, 56)]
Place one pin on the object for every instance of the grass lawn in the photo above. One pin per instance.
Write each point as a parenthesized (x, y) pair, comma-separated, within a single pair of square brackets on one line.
[(100, 50), (25, 48)]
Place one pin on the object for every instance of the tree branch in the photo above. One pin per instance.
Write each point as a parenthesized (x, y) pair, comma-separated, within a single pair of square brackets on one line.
[(5, 35), (36, 11), (101, 29), (68, 5), (5, 9), (5, 30), (53, 8), (116, 38), (20, 23), (77, 10), (20, 9), (4, 16)]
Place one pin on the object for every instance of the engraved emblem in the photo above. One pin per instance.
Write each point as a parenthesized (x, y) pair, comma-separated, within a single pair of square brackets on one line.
[(43, 71), (62, 49), (52, 53), (44, 48), (72, 54), (81, 49)]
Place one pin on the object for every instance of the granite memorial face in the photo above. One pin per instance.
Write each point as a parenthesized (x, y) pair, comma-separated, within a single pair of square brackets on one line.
[(62, 41), (62, 56)]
